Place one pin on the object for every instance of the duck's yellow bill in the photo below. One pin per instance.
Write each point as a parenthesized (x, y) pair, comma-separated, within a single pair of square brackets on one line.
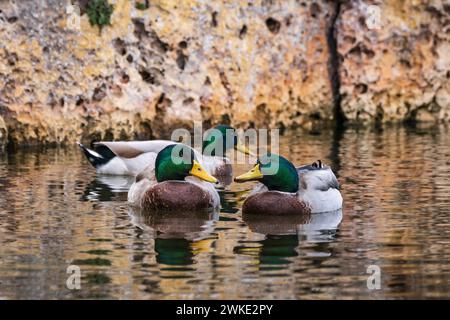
[(253, 174), (198, 171)]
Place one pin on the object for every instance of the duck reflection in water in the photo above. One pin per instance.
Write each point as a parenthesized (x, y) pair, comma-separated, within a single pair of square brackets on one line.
[(311, 226), (106, 188), (283, 235), (179, 235)]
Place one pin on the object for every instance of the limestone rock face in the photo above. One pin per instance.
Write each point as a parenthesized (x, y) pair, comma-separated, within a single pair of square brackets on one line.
[(396, 65), (262, 63), (256, 63)]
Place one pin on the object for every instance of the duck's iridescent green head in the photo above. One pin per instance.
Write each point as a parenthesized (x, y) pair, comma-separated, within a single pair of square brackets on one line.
[(275, 172), (220, 139), (176, 162)]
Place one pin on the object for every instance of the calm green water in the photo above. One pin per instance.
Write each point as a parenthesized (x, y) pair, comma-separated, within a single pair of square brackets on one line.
[(55, 212)]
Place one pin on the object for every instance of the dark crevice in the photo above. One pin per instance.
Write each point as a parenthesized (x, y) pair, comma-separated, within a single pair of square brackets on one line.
[(183, 44), (243, 32), (214, 19), (273, 25), (181, 59), (333, 65), (315, 10), (226, 85), (99, 93), (139, 28), (82, 4), (147, 76), (120, 46)]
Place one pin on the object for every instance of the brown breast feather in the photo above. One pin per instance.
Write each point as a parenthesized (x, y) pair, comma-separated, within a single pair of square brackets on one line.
[(274, 203), (176, 195)]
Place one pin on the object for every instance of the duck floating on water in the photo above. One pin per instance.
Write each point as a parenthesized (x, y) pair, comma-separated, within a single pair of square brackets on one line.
[(174, 181), (285, 189), (131, 157)]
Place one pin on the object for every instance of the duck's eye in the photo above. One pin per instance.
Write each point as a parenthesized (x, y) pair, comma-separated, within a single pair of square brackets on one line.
[(199, 169)]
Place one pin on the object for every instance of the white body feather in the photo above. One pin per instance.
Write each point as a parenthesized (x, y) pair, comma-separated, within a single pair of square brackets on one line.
[(321, 201), (319, 189)]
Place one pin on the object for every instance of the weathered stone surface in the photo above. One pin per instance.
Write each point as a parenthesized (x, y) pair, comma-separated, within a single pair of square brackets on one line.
[(398, 69), (257, 63)]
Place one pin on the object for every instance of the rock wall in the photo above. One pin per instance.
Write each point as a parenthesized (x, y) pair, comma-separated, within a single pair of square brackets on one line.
[(252, 64), (399, 67), (257, 63)]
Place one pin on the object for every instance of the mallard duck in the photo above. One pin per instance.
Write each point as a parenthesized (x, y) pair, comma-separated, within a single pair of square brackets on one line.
[(175, 181), (285, 189), (131, 157)]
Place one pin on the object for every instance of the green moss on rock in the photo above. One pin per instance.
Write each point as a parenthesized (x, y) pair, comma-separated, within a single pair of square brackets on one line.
[(142, 5), (99, 12)]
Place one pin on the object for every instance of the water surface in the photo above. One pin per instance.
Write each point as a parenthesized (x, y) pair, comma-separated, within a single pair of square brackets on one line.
[(55, 212)]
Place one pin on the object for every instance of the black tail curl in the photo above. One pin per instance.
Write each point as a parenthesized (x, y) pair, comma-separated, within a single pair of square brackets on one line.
[(101, 155)]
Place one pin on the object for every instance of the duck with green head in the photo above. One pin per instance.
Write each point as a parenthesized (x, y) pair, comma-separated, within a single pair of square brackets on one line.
[(131, 157), (216, 143), (176, 181), (285, 189)]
